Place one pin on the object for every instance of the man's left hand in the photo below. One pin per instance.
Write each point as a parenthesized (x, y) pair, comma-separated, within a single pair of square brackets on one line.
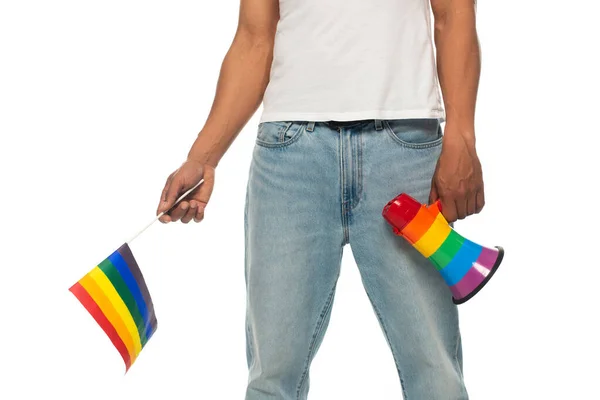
[(458, 179)]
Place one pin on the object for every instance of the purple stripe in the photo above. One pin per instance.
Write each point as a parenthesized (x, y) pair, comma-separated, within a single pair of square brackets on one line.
[(467, 284), (488, 258), (151, 327), (474, 277)]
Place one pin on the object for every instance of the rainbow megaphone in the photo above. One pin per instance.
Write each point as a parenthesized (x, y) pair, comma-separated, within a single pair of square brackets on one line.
[(465, 266)]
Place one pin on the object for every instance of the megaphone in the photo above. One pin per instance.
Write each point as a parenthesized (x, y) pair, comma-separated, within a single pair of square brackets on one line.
[(465, 266)]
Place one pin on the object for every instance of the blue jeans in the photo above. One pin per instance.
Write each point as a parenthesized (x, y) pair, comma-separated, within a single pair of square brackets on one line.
[(312, 189)]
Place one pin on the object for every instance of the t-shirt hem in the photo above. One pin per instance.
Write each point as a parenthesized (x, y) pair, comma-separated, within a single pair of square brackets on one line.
[(352, 116)]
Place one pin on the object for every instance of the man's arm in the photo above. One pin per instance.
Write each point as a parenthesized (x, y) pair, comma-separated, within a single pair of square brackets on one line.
[(242, 82), (458, 181)]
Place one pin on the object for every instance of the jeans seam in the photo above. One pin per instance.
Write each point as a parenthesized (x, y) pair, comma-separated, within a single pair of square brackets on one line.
[(250, 339), (387, 338), (360, 166), (249, 336), (456, 342), (456, 362), (343, 189), (325, 310), (359, 171)]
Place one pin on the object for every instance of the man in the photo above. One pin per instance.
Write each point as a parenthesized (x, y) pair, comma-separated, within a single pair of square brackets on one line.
[(352, 117)]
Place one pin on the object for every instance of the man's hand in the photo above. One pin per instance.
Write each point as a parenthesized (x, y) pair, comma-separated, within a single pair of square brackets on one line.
[(458, 181), (180, 181)]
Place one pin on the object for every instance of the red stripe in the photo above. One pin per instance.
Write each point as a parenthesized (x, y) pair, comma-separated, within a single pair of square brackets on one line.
[(90, 305)]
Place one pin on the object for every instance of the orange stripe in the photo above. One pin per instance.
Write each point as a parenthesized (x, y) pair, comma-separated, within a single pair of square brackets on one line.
[(108, 309), (90, 305), (118, 305), (420, 224)]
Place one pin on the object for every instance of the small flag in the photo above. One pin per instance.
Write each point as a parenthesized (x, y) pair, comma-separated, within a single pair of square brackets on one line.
[(115, 294)]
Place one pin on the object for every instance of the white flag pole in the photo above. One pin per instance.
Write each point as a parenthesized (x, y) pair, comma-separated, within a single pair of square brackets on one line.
[(162, 213)]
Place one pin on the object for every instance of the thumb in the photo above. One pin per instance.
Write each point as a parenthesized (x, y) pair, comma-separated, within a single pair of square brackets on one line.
[(170, 194), (433, 194)]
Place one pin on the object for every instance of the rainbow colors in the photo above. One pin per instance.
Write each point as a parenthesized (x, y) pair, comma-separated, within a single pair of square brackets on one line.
[(115, 294), (460, 261), (465, 266)]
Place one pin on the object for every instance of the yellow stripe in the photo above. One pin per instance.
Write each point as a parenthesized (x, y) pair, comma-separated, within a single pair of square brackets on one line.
[(119, 305), (434, 237), (90, 285)]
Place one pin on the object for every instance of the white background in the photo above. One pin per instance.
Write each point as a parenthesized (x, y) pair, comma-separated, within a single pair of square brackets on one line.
[(100, 101)]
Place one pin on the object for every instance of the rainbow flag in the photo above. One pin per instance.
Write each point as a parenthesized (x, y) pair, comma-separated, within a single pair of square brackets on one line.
[(115, 294)]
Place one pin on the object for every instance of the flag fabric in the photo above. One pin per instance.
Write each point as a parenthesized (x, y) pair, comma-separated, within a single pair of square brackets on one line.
[(115, 294)]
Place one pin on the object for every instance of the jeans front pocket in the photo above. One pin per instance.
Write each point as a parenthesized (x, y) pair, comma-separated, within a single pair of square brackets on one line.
[(415, 133), (279, 134)]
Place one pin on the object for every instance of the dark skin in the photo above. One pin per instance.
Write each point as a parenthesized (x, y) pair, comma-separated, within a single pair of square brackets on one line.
[(457, 181), (242, 83)]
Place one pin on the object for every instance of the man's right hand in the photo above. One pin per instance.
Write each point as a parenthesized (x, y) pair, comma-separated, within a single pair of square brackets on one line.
[(180, 181)]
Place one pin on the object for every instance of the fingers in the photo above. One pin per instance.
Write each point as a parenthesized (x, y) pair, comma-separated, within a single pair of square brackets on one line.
[(461, 206), (163, 196), (179, 211), (479, 201), (196, 211), (456, 207), (190, 213), (433, 194), (172, 189), (471, 204), (449, 209), (199, 214)]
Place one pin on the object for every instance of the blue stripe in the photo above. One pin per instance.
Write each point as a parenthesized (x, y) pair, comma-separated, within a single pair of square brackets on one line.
[(461, 263), (121, 265), (150, 331)]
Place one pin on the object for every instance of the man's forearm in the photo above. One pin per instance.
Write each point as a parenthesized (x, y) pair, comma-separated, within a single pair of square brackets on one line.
[(459, 64), (240, 88)]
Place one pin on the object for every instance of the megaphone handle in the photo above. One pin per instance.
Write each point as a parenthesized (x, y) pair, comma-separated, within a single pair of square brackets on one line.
[(437, 204)]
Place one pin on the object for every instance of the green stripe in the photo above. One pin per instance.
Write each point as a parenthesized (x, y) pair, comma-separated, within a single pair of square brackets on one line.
[(447, 250), (120, 286)]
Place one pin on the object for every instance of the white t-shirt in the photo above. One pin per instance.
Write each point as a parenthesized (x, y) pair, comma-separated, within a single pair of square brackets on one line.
[(348, 60)]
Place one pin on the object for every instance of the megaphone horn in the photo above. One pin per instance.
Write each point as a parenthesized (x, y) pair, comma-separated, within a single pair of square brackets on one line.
[(465, 266)]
